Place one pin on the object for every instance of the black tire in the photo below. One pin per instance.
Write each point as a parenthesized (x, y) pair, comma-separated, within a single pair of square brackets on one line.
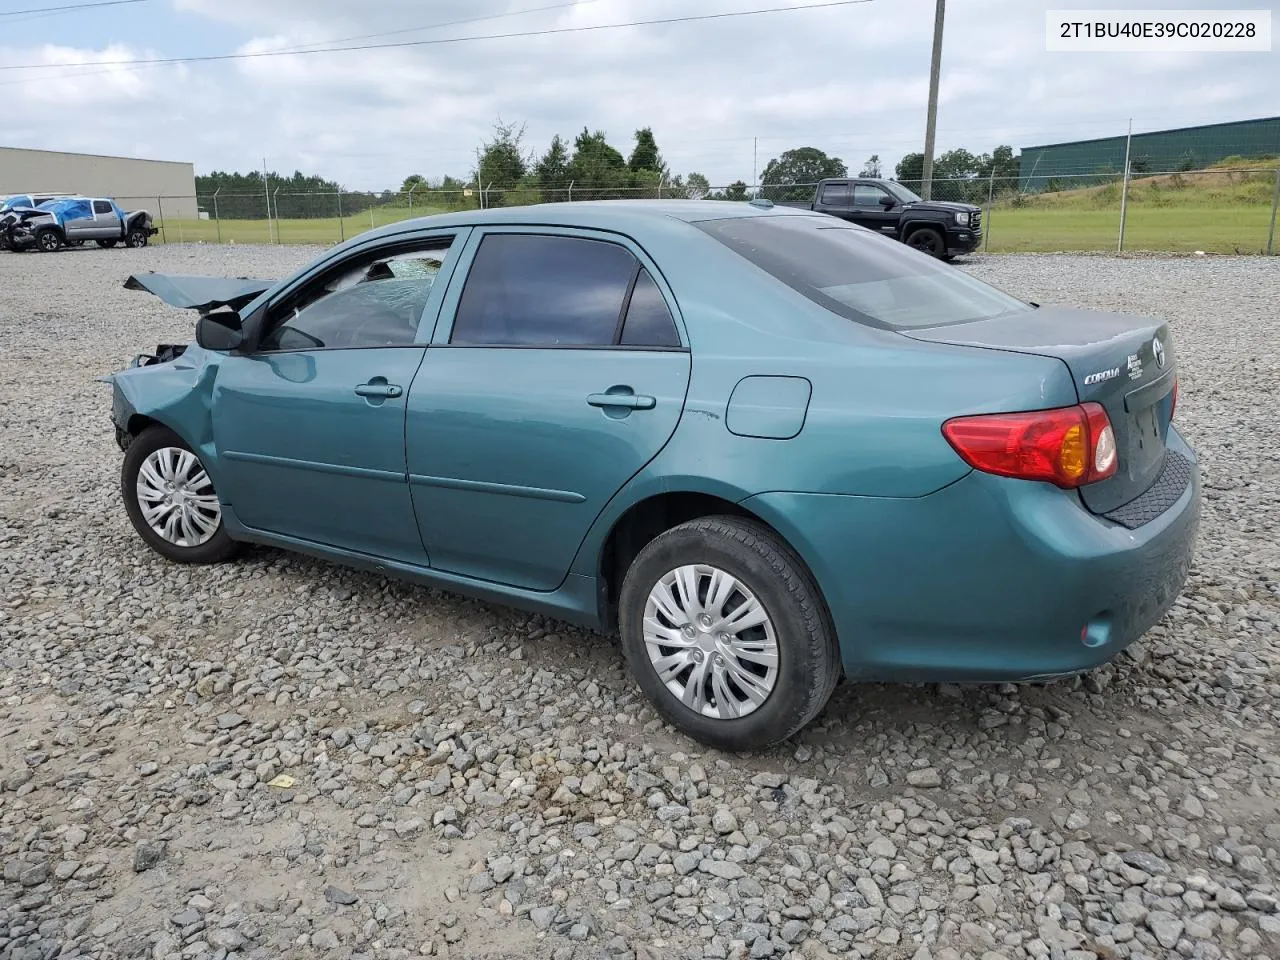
[(107, 244), (928, 240), (808, 657), (216, 549), (49, 240), (136, 238)]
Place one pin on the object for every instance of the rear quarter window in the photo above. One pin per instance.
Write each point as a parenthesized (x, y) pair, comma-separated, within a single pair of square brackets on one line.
[(859, 275)]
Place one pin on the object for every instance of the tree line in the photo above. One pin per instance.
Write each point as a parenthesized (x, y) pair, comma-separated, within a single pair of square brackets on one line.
[(589, 167)]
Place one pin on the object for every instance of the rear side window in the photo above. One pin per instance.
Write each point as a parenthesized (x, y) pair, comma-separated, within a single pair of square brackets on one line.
[(101, 206), (649, 322), (859, 275), (553, 291), (836, 194)]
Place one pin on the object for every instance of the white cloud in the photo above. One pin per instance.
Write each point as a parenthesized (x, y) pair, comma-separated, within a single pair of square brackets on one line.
[(851, 80)]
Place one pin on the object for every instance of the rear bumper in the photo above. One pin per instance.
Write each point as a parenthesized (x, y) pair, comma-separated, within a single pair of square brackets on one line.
[(989, 579)]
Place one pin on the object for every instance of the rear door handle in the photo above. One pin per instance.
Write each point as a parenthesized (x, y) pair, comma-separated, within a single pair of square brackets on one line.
[(378, 388), (628, 401)]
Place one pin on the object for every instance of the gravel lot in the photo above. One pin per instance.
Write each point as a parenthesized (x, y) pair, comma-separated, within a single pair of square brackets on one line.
[(284, 758)]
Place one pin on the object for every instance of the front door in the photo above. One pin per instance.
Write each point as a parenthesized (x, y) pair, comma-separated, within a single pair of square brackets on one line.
[(875, 208), (310, 426), (106, 222), (556, 373)]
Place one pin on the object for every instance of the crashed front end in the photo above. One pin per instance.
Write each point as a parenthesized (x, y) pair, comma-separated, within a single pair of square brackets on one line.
[(173, 384), (19, 226)]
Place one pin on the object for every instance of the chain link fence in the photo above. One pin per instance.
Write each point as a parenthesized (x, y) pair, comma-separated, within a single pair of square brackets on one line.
[(1229, 209)]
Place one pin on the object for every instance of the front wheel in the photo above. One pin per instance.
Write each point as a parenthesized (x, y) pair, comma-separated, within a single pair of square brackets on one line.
[(725, 631), (107, 244), (171, 501), (927, 240), (48, 241), (136, 238)]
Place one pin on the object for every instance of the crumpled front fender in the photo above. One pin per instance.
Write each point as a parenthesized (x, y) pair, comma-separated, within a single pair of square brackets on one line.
[(177, 394)]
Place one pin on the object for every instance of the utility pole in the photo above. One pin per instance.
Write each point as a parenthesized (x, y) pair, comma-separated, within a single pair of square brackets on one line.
[(935, 70), (755, 164)]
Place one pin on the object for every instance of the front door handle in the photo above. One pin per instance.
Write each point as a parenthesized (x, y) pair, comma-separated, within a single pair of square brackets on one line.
[(378, 387), (627, 401)]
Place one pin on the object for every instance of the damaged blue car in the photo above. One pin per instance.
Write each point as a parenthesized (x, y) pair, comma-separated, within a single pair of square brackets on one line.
[(771, 449)]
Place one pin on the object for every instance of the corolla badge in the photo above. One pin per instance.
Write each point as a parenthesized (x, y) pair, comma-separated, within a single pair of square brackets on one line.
[(1157, 349), (1101, 375)]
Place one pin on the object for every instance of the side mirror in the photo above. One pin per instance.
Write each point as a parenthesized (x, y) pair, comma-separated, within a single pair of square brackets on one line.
[(221, 331), (888, 202)]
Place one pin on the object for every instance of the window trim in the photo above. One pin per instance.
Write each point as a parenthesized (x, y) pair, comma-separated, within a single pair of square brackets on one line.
[(466, 259), (370, 252)]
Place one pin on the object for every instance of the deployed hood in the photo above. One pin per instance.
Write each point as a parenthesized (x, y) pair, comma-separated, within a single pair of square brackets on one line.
[(199, 293)]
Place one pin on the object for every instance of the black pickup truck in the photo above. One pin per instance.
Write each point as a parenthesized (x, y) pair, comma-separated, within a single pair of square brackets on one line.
[(937, 227)]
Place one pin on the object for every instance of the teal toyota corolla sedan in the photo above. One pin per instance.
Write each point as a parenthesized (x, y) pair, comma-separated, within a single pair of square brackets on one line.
[(770, 448)]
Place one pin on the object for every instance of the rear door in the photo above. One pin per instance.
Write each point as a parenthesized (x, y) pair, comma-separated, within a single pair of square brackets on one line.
[(836, 198), (557, 371), (77, 220)]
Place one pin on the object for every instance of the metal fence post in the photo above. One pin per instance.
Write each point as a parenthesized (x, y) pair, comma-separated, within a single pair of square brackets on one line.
[(160, 210), (571, 182), (276, 203), (371, 224), (1275, 202), (1124, 209), (342, 227), (991, 193), (217, 224), (1124, 191), (411, 189)]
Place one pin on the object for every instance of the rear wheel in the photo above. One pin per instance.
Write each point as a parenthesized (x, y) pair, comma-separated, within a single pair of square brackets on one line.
[(171, 501), (928, 240), (136, 237), (725, 631), (107, 244), (49, 241)]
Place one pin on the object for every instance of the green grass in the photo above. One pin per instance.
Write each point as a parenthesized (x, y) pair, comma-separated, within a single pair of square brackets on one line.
[(325, 230), (1171, 229), (1224, 209)]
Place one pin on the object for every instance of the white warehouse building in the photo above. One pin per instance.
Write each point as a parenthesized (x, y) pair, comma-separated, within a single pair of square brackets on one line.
[(162, 187)]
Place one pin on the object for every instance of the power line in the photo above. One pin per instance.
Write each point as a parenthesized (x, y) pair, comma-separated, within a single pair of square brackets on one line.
[(69, 6), (553, 31), (448, 23)]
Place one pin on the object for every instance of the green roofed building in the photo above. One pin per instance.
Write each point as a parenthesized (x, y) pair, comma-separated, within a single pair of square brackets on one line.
[(1162, 151)]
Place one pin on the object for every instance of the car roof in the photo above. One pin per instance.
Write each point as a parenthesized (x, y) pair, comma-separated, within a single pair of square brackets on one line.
[(617, 215)]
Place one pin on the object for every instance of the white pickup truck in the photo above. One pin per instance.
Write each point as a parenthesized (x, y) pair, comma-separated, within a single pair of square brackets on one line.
[(50, 226)]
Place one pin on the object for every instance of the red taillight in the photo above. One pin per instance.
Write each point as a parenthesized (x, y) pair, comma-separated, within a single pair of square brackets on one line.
[(1069, 446), (1174, 409)]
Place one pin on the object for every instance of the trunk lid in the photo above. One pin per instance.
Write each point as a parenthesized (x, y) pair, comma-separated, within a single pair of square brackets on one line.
[(1127, 364)]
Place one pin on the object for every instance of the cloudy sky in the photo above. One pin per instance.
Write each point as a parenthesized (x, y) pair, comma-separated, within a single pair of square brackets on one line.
[(851, 80)]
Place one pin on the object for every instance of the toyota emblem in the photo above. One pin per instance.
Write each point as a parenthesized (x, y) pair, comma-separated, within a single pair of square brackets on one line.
[(1157, 349)]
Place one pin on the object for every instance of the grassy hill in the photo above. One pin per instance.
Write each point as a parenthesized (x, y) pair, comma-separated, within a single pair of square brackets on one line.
[(1225, 208)]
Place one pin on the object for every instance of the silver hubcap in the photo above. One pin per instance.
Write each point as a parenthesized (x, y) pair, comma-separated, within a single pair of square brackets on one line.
[(711, 641), (177, 498)]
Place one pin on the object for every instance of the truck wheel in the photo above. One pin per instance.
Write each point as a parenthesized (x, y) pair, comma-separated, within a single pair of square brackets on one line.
[(49, 241), (107, 244), (136, 238), (927, 240)]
